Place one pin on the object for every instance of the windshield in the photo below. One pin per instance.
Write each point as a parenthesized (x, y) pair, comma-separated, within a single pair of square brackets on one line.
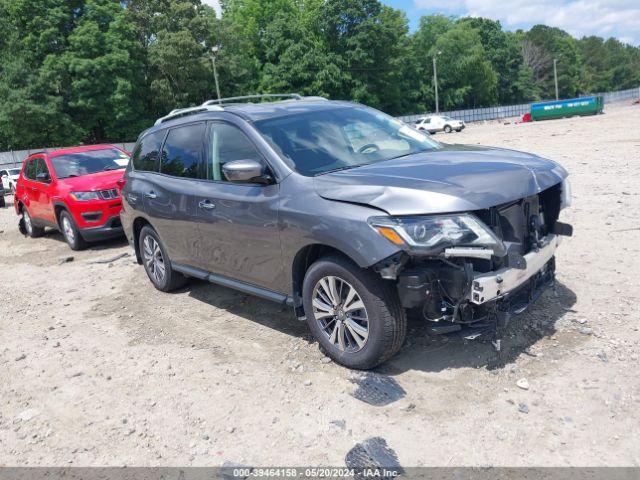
[(85, 163), (345, 137), (14, 171)]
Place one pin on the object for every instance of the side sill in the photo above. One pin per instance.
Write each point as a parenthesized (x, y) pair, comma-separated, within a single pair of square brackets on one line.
[(231, 283)]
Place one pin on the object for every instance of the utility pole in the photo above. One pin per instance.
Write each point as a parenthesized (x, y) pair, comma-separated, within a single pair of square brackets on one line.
[(435, 80), (555, 76), (214, 52)]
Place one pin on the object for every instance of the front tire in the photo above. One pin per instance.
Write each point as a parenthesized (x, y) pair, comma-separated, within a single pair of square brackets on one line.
[(70, 232), (157, 263), (354, 314), (30, 229)]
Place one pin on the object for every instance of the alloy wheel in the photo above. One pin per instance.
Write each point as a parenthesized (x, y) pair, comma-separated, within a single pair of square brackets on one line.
[(67, 229), (153, 259), (27, 222), (341, 314)]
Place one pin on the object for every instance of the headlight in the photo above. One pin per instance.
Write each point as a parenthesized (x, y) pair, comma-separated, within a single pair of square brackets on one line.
[(565, 195), (84, 196), (432, 234)]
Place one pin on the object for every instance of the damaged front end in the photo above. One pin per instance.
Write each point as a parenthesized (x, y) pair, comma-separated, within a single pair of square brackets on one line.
[(472, 272)]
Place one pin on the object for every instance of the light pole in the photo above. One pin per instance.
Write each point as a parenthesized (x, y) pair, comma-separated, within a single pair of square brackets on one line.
[(214, 52), (435, 80), (555, 76)]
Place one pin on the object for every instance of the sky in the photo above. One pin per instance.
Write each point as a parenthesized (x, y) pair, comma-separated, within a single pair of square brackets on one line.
[(605, 18)]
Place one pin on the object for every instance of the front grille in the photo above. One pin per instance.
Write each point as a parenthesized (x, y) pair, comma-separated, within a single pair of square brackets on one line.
[(109, 194)]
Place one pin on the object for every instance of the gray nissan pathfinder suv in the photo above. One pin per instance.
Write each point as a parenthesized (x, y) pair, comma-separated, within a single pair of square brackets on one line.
[(349, 216)]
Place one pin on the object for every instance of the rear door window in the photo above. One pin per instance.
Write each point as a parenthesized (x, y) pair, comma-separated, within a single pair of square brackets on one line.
[(30, 169), (146, 155), (182, 153)]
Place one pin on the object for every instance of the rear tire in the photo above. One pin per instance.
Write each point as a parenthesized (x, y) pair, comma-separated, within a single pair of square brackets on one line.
[(157, 263), (70, 232), (2, 202), (30, 229), (447, 129), (340, 328)]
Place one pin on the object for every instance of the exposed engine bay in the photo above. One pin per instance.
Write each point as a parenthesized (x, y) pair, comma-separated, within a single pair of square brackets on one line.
[(472, 289)]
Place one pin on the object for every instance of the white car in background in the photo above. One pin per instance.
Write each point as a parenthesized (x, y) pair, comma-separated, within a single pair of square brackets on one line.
[(9, 179), (439, 123)]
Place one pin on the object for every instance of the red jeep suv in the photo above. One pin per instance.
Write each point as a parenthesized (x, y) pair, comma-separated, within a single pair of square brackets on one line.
[(74, 190)]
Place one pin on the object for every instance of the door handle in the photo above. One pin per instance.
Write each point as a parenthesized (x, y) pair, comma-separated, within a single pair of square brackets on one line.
[(207, 205), (151, 195)]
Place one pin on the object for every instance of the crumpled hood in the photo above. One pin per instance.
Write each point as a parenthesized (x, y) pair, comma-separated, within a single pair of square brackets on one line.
[(454, 179)]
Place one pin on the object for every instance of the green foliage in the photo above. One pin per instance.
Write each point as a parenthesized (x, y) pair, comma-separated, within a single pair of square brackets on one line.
[(76, 71)]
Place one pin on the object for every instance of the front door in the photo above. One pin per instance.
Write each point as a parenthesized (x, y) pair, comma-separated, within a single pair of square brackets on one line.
[(42, 191), (29, 195), (239, 234)]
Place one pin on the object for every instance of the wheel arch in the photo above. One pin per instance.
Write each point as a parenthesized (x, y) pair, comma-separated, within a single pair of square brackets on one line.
[(58, 208), (138, 225), (305, 257)]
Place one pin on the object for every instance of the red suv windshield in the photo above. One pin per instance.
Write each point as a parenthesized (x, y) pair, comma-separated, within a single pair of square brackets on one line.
[(85, 163)]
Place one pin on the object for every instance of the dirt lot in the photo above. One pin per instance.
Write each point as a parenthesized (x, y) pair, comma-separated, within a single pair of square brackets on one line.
[(98, 368)]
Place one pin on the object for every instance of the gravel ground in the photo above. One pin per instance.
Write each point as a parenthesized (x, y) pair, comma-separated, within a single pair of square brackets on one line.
[(98, 368)]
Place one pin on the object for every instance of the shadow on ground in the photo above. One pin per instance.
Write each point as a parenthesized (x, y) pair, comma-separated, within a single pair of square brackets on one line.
[(117, 242), (441, 352), (421, 351)]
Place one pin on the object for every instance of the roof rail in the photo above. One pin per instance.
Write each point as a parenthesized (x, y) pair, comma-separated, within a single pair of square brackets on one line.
[(217, 105), (293, 96), (182, 112)]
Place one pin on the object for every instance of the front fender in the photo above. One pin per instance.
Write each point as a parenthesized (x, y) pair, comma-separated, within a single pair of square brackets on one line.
[(307, 219)]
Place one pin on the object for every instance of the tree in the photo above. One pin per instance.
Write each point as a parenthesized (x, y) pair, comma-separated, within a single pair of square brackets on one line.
[(106, 89), (34, 108), (366, 39), (465, 75), (553, 43), (176, 36), (515, 80)]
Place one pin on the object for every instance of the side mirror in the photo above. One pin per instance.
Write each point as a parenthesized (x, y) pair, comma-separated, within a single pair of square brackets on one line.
[(245, 171), (43, 177)]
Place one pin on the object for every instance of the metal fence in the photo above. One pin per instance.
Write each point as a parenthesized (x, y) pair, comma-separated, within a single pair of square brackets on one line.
[(14, 158), (496, 113)]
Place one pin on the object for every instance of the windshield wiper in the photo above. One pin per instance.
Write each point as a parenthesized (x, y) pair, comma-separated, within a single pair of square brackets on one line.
[(110, 167)]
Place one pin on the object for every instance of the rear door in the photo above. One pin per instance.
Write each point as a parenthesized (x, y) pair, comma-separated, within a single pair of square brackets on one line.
[(239, 235), (170, 199)]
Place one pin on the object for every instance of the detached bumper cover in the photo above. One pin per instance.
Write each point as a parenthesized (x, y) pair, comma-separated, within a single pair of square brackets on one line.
[(492, 285)]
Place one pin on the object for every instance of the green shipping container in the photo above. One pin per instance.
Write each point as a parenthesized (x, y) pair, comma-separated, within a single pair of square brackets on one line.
[(567, 108)]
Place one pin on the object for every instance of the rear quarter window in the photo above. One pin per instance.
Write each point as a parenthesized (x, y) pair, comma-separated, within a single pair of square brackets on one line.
[(146, 154)]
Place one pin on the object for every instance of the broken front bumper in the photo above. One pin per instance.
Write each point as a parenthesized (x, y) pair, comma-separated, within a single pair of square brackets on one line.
[(493, 285)]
